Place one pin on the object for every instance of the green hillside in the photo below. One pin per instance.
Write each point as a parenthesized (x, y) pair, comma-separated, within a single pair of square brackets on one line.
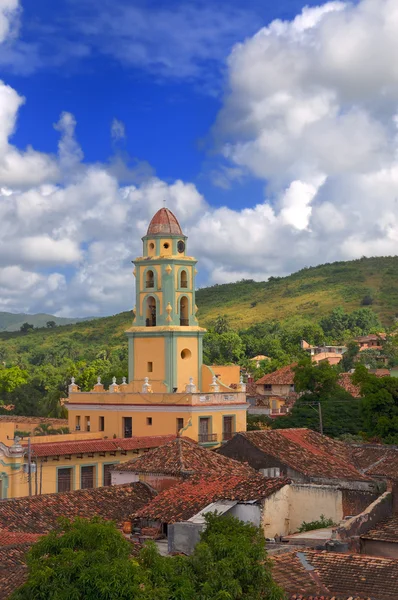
[(13, 321), (312, 292), (271, 318)]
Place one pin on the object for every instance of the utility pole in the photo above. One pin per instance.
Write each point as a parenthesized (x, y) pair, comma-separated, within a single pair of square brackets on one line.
[(29, 467), (320, 418), (36, 482), (41, 474)]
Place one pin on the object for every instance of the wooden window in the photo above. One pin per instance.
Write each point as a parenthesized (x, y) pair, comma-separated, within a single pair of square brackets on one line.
[(228, 428), (87, 477), (101, 425), (77, 423), (64, 479), (87, 423), (149, 420), (150, 367), (127, 427), (180, 423), (107, 474)]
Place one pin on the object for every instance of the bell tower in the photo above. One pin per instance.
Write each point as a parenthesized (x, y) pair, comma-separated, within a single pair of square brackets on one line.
[(165, 342)]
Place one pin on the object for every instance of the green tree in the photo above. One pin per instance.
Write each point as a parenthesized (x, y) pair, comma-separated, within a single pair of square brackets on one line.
[(90, 560), (51, 324), (12, 378), (379, 405), (25, 327), (221, 325)]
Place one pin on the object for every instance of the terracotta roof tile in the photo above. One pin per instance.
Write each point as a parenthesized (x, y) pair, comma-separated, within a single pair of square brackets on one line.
[(184, 500), (184, 457), (386, 530), (164, 222), (376, 460), (39, 514), (11, 538), (100, 445), (307, 452), (345, 381), (284, 376), (312, 574), (11, 579)]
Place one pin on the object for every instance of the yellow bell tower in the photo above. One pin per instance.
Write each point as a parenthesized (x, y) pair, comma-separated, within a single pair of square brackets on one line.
[(165, 342)]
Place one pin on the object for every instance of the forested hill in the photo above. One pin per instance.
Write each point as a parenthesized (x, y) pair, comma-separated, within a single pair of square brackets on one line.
[(312, 292), (14, 321), (268, 318)]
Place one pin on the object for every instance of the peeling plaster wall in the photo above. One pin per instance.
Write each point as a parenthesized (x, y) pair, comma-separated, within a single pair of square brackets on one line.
[(284, 511), (361, 524)]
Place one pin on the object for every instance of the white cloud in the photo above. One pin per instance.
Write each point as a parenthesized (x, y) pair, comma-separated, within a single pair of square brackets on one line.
[(311, 110), (9, 13), (118, 130)]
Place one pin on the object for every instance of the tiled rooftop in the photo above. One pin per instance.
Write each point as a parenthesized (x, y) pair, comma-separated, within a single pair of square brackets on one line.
[(12, 538), (307, 452), (184, 500), (184, 457), (100, 445), (312, 574), (284, 376), (39, 514), (385, 531), (33, 420), (11, 579), (345, 381), (376, 460)]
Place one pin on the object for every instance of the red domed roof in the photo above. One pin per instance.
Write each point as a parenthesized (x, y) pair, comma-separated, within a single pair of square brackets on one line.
[(163, 223)]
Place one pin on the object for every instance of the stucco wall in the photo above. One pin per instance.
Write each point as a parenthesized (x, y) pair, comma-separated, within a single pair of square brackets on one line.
[(250, 513), (284, 511), (379, 548), (120, 477)]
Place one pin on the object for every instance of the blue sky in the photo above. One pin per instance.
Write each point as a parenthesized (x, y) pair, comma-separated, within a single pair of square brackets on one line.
[(168, 107), (270, 129)]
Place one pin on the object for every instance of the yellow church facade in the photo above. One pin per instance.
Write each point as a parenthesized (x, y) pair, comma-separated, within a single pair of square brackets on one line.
[(169, 391)]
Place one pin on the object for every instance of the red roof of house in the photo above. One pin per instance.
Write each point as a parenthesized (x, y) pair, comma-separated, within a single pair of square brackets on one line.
[(305, 451), (376, 460), (164, 222), (39, 514), (184, 457), (100, 445), (345, 381), (385, 531), (184, 500), (11, 538), (312, 574), (284, 376)]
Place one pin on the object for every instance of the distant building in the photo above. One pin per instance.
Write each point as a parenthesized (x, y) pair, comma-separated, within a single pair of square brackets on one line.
[(273, 394), (333, 354)]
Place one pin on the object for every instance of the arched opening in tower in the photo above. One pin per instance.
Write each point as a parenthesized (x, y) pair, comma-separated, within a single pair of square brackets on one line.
[(150, 312), (184, 279), (150, 279), (184, 320)]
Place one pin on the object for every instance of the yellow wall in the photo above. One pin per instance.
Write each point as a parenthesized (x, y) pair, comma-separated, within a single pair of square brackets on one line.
[(228, 374), (187, 367), (150, 349), (18, 480), (164, 422)]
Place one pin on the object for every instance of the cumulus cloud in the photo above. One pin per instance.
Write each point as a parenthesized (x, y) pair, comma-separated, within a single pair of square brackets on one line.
[(9, 13), (311, 109)]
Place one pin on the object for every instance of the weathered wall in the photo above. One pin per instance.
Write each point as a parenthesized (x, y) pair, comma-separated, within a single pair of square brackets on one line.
[(356, 501), (362, 523), (284, 511), (183, 537), (379, 548), (120, 477), (249, 513)]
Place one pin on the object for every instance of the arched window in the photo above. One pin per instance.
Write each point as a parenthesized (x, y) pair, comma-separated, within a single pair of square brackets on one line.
[(183, 279), (184, 320), (150, 311), (150, 279)]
